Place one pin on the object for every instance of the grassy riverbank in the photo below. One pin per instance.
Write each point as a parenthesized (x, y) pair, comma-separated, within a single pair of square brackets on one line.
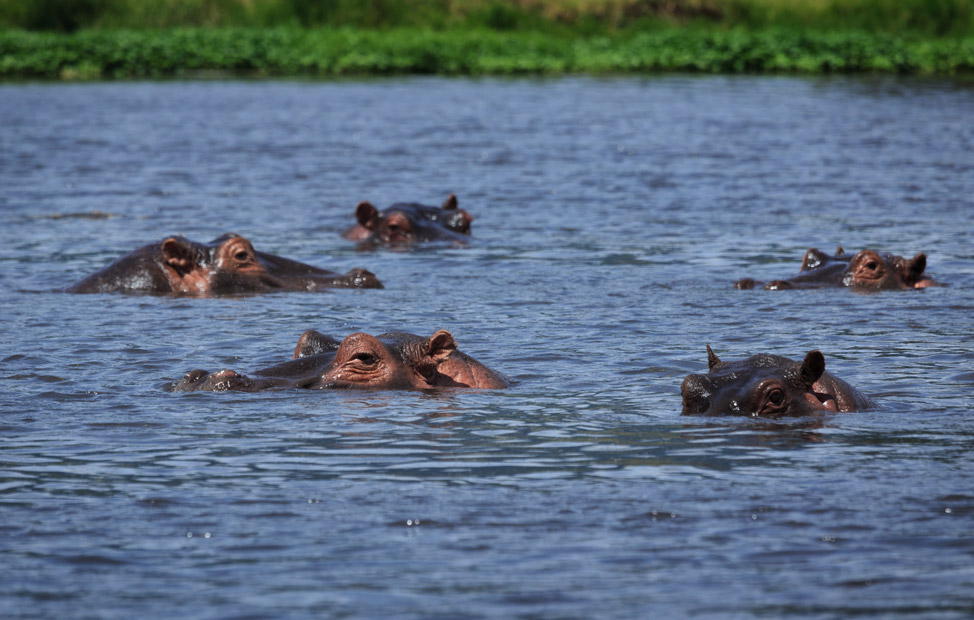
[(92, 39), (332, 52)]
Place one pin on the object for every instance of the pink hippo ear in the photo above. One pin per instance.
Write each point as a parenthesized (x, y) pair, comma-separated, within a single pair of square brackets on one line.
[(432, 352), (179, 255), (439, 346), (712, 360), (450, 202), (812, 368), (367, 215), (915, 269)]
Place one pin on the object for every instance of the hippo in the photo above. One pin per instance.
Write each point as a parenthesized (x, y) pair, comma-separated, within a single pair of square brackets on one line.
[(228, 265), (867, 270), (405, 224), (392, 361), (772, 386)]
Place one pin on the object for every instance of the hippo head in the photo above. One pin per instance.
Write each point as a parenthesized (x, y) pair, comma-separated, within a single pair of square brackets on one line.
[(452, 217), (763, 385), (226, 264), (390, 361), (229, 265), (870, 270), (404, 224), (867, 270), (395, 360)]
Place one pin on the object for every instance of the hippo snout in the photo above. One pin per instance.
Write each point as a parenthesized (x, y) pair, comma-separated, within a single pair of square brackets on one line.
[(362, 278), (222, 381), (696, 394)]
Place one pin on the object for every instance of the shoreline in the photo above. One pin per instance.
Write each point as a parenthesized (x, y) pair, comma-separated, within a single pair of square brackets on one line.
[(340, 52)]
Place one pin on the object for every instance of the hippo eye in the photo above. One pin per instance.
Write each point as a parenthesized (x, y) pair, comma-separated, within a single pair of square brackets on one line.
[(366, 358), (872, 265), (242, 255), (776, 397)]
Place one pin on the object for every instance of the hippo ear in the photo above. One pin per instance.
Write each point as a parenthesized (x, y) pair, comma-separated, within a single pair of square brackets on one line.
[(915, 269), (812, 367), (839, 250), (179, 255), (450, 202), (313, 342), (439, 346), (367, 215), (712, 360)]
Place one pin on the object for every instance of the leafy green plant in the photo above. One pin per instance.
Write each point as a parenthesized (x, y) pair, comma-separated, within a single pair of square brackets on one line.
[(342, 51)]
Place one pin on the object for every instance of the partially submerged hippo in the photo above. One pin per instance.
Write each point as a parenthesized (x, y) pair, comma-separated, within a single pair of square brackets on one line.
[(769, 386), (405, 224), (867, 270), (227, 265), (396, 361)]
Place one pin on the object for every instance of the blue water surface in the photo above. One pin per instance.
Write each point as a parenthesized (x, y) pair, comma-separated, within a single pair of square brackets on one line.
[(611, 217)]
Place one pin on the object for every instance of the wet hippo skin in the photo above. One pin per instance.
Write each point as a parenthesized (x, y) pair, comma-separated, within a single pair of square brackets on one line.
[(403, 225), (867, 270), (766, 385), (228, 265), (396, 361)]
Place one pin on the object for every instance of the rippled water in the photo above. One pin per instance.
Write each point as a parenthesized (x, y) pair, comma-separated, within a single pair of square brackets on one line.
[(611, 217)]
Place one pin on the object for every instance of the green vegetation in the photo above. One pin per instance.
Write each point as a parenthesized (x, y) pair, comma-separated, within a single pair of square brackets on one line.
[(293, 51), (926, 17), (90, 39)]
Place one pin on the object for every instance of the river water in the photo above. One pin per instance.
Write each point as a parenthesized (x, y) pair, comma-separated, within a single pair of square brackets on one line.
[(611, 218)]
